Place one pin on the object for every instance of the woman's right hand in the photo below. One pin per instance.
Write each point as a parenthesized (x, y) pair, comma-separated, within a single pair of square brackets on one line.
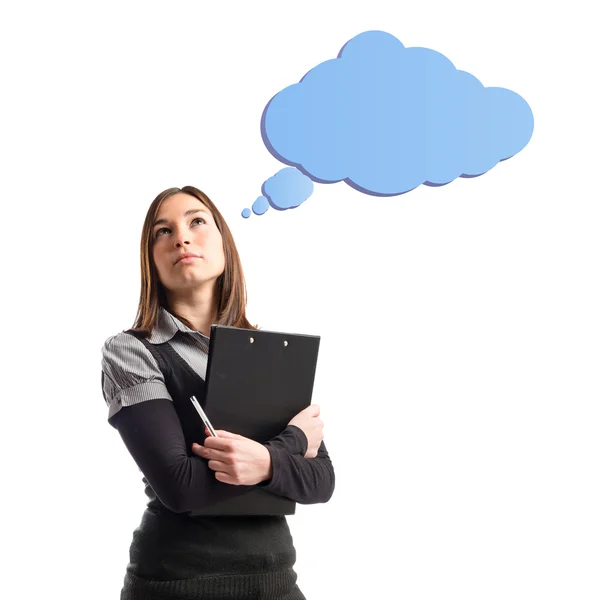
[(308, 420)]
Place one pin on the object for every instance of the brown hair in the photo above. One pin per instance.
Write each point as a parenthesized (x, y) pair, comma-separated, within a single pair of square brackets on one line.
[(230, 286)]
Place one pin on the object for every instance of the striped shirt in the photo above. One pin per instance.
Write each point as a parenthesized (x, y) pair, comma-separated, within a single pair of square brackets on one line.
[(130, 374)]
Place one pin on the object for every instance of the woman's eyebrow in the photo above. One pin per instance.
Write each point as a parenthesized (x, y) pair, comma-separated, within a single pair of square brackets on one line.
[(191, 211)]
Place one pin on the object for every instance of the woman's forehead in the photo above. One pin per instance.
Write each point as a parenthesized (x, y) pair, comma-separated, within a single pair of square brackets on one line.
[(181, 203)]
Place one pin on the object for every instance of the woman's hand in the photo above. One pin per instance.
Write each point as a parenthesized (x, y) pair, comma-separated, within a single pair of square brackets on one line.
[(308, 420), (236, 460)]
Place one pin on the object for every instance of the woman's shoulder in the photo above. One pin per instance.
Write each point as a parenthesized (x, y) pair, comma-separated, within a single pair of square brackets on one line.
[(118, 339), (123, 345)]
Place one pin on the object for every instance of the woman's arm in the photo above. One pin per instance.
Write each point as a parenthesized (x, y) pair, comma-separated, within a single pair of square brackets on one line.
[(153, 436)]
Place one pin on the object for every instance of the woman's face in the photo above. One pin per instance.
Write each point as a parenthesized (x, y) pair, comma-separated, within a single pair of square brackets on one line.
[(185, 225)]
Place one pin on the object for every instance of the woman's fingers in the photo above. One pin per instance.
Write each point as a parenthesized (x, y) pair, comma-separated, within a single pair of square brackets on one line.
[(209, 453), (227, 434), (217, 465)]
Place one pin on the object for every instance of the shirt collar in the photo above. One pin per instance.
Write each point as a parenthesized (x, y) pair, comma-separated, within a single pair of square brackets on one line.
[(167, 326)]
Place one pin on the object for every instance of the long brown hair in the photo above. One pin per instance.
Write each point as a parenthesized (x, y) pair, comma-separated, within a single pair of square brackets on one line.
[(230, 286)]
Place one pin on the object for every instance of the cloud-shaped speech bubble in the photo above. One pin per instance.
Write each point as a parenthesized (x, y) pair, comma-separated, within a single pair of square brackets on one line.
[(386, 119)]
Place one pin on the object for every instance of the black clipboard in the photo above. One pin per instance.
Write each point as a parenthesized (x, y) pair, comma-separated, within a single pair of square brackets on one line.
[(256, 382)]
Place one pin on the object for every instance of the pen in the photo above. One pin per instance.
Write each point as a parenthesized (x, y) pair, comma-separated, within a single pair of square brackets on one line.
[(203, 416)]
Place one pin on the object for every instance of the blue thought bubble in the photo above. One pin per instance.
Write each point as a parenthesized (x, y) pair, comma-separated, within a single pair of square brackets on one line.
[(386, 119), (260, 207), (288, 188)]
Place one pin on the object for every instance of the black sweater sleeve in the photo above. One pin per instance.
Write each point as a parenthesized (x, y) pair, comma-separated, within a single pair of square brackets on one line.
[(183, 481), (304, 480)]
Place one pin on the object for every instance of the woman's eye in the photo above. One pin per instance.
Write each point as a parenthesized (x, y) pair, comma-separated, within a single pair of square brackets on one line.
[(167, 229)]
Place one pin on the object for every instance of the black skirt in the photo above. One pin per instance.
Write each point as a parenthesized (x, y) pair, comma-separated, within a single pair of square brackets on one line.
[(177, 557)]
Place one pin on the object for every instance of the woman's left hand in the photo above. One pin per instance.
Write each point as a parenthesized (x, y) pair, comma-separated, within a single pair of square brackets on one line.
[(236, 459)]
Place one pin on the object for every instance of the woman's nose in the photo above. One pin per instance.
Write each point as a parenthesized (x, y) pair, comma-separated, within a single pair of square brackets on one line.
[(182, 238)]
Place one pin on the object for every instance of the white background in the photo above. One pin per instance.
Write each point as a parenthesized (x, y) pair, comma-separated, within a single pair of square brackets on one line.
[(458, 371)]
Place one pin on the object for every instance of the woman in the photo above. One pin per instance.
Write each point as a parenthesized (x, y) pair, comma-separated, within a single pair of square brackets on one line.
[(191, 278)]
